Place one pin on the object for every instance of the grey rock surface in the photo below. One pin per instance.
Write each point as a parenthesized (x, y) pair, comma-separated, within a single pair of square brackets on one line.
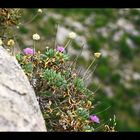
[(19, 108)]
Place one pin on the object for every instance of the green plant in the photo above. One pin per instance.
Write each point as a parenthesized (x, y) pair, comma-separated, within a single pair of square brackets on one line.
[(66, 103)]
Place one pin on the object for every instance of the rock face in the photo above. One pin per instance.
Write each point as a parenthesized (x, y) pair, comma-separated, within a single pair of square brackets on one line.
[(19, 109)]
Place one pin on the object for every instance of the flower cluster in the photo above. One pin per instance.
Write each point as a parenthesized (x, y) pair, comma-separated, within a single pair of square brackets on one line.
[(57, 83), (29, 51), (64, 99), (36, 36), (39, 10), (10, 43), (97, 54), (72, 35), (60, 48), (94, 118)]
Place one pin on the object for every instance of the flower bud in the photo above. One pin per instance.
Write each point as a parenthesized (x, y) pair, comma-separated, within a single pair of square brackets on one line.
[(97, 55), (39, 10), (10, 43)]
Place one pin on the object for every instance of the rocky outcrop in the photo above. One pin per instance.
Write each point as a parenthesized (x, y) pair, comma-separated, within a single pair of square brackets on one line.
[(19, 109)]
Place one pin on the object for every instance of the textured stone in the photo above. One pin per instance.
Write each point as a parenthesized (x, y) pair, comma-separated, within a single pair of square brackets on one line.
[(19, 109)]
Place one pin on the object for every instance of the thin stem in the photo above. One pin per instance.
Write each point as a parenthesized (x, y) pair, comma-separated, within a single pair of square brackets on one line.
[(102, 125), (97, 88), (79, 71), (56, 36), (90, 73), (103, 110), (69, 41), (76, 58), (33, 47), (95, 91), (30, 20), (32, 59), (89, 67)]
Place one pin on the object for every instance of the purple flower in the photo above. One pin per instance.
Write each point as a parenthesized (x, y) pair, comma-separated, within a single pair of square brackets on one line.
[(60, 49), (94, 118), (28, 51)]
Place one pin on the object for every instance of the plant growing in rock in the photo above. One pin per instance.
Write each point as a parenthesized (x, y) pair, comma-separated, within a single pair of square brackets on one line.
[(66, 103)]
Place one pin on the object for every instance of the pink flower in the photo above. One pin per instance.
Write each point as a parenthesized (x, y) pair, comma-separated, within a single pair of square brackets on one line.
[(60, 49), (28, 51), (94, 118)]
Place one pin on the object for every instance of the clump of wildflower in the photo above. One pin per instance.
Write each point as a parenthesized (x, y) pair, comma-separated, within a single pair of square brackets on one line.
[(36, 36), (29, 51), (60, 49), (94, 118), (97, 55), (39, 10), (10, 43), (72, 35), (1, 42)]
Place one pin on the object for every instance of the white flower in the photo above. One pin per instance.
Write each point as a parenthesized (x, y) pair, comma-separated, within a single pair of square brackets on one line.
[(36, 37), (72, 35), (47, 47), (39, 10), (1, 42), (97, 55)]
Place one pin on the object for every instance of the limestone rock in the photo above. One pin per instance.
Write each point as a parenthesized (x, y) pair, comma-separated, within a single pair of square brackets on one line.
[(19, 108)]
